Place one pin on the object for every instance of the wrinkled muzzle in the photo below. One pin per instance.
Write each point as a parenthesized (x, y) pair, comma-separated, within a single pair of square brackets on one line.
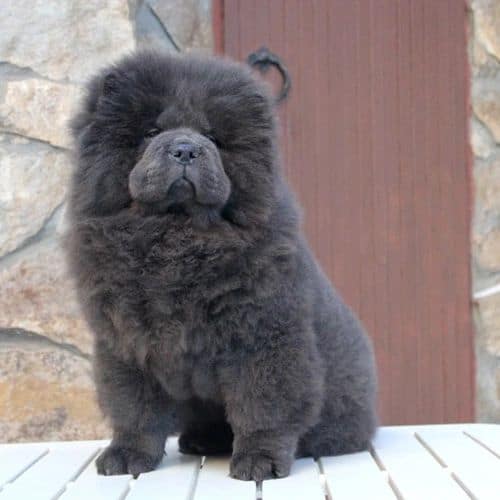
[(180, 167)]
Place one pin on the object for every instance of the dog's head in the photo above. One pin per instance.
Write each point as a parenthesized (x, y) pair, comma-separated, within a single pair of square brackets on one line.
[(176, 134)]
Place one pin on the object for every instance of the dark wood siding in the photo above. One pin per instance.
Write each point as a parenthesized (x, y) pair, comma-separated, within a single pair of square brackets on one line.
[(375, 142)]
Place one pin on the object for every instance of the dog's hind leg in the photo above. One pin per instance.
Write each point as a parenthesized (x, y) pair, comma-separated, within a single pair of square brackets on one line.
[(205, 429), (338, 434)]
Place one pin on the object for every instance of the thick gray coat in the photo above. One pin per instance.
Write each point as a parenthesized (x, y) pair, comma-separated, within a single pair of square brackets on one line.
[(211, 316)]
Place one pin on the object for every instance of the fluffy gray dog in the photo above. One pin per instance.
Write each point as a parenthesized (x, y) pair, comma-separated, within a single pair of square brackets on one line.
[(212, 318)]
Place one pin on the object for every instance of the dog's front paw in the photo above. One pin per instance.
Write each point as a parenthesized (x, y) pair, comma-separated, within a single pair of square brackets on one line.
[(259, 465), (120, 460)]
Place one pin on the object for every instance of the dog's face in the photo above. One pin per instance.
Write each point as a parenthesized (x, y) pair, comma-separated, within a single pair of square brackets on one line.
[(179, 168), (171, 135)]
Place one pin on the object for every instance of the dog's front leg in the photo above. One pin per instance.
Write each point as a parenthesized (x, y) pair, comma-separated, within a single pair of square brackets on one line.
[(271, 398), (141, 416)]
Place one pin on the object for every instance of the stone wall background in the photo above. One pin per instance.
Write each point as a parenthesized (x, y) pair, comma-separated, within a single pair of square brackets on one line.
[(48, 48), (485, 129)]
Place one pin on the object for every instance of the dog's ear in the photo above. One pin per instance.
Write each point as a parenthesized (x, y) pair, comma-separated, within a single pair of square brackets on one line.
[(103, 86)]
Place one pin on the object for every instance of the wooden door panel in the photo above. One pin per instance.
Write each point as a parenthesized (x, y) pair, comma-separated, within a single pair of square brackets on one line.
[(375, 143)]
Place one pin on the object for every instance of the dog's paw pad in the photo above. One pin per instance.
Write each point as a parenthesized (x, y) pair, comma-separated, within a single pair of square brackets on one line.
[(257, 466), (116, 460)]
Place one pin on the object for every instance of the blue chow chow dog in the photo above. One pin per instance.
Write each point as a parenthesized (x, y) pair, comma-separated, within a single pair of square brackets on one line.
[(212, 318)]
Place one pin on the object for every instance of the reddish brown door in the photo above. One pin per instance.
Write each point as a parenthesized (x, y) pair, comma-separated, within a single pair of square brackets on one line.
[(374, 135)]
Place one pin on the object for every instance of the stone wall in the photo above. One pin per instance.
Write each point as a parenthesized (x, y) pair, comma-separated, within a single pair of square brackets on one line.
[(485, 72), (48, 48)]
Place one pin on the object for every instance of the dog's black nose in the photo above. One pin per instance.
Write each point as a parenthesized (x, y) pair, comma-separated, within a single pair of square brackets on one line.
[(185, 152)]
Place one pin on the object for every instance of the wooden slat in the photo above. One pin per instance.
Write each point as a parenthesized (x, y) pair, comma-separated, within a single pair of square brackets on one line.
[(16, 458), (343, 475), (214, 482), (487, 434), (476, 468), (48, 477), (90, 485), (412, 469), (302, 483), (175, 477), (421, 462)]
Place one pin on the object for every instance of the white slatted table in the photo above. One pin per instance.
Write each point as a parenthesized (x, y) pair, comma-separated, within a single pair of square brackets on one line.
[(441, 462)]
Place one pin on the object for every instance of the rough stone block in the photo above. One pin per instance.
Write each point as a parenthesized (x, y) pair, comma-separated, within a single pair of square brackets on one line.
[(39, 109), (46, 393), (188, 22), (487, 24), (489, 323), (65, 40), (38, 296), (33, 182)]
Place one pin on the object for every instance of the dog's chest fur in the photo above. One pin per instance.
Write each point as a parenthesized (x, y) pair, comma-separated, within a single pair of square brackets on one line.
[(177, 302)]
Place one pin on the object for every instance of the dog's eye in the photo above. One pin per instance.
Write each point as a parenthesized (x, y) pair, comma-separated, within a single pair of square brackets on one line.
[(152, 132)]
